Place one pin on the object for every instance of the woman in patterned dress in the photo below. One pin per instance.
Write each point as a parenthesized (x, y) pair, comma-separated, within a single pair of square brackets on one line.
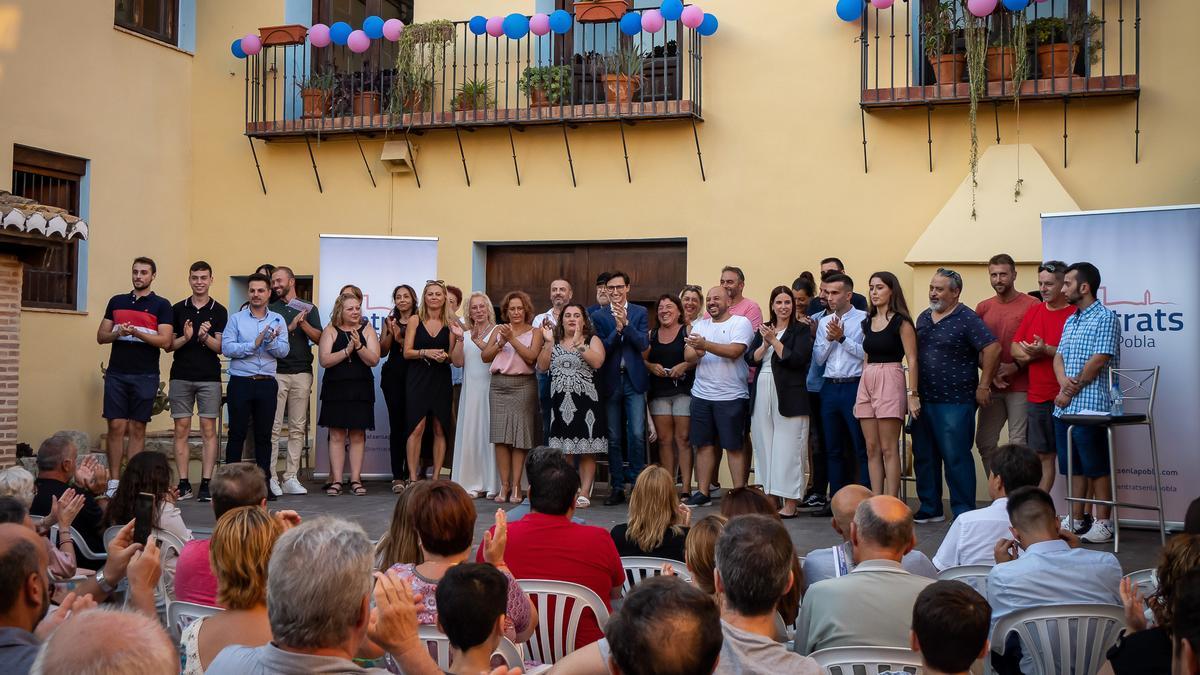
[(571, 352)]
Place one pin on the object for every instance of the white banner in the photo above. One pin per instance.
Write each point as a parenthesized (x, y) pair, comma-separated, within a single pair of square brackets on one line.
[(1149, 262), (376, 265)]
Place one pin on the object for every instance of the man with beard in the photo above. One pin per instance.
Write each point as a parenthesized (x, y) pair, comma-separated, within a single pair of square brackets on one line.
[(25, 597), (952, 345), (294, 376), (137, 324), (1002, 314), (720, 392), (560, 294)]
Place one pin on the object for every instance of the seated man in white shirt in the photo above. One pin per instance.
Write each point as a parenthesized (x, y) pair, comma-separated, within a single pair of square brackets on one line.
[(1042, 567), (838, 561), (973, 535), (872, 605)]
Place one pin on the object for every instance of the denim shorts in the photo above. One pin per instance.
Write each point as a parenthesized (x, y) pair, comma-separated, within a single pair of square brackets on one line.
[(718, 423), (1090, 450), (129, 396)]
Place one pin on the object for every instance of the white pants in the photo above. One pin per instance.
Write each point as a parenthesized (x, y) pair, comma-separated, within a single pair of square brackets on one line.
[(780, 443)]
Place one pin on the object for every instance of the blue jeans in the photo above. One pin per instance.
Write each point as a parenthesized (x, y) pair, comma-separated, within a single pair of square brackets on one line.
[(543, 380), (626, 417), (943, 434), (843, 434)]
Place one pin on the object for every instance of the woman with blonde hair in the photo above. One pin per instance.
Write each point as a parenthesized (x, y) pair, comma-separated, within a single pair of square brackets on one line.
[(658, 523), (239, 552), (700, 552), (515, 422), (432, 339), (475, 465), (347, 351)]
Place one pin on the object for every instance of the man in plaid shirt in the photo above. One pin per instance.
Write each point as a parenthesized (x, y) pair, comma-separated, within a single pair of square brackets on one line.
[(1090, 347)]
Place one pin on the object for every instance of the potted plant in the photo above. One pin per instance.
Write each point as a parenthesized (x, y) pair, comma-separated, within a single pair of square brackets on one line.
[(1001, 56), (290, 34), (316, 94), (420, 53), (595, 11), (546, 85), (430, 32), (365, 98), (474, 95), (938, 29), (622, 75), (1059, 40)]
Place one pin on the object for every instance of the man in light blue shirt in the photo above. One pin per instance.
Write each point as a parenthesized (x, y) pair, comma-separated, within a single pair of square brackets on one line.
[(1049, 571), (254, 338), (838, 347)]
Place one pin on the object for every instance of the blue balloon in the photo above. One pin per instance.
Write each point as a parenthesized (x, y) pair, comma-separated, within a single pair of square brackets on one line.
[(340, 32), (516, 26), (850, 10), (373, 27), (672, 9), (236, 48), (708, 26), (631, 23), (478, 24), (560, 21), (1015, 5)]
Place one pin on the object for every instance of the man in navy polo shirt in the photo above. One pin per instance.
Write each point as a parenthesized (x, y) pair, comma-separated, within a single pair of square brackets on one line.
[(138, 325), (952, 345)]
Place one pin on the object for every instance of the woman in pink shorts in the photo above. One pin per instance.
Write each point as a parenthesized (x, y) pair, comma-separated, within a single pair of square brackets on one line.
[(883, 397)]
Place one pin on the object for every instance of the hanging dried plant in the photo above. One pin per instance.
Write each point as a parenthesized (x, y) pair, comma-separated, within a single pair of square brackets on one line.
[(976, 32), (1020, 37)]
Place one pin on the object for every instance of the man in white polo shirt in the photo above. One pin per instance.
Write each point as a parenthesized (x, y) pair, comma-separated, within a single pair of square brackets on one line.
[(720, 392)]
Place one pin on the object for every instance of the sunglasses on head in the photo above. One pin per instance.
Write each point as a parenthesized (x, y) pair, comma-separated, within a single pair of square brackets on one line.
[(1052, 267), (439, 282), (949, 273)]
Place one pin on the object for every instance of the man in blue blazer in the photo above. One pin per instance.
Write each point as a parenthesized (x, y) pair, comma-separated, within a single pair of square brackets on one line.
[(625, 329)]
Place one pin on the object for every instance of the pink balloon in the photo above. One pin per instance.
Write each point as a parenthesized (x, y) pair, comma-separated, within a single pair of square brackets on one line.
[(981, 7), (652, 21), (881, 4), (495, 26), (318, 35), (251, 44), (358, 42), (392, 29), (692, 16), (539, 24)]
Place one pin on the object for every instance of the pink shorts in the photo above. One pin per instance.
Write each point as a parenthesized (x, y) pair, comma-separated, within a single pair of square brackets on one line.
[(881, 392)]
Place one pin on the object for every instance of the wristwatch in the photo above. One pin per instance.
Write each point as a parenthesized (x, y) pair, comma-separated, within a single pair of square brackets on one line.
[(103, 583)]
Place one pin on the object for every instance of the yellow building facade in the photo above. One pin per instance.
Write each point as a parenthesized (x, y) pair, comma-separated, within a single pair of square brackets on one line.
[(171, 174)]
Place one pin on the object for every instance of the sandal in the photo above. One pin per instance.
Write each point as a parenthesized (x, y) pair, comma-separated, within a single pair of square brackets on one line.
[(357, 488), (582, 502), (500, 496), (332, 489), (516, 498), (398, 487)]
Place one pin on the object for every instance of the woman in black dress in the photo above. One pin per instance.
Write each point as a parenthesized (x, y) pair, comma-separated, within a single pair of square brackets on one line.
[(670, 394), (348, 350), (392, 378), (432, 337)]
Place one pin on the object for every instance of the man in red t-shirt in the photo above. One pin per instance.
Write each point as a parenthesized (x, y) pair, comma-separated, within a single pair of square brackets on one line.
[(545, 544), (1002, 315), (1034, 346)]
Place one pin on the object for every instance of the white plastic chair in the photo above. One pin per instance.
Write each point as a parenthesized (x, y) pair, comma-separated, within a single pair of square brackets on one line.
[(1145, 581), (1062, 639), (441, 648), (556, 631), (867, 660), (974, 576), (169, 546), (181, 614), (640, 568), (80, 543)]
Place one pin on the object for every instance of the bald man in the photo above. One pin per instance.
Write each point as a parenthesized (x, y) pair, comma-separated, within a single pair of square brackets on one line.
[(872, 605), (838, 561), (561, 293), (109, 641)]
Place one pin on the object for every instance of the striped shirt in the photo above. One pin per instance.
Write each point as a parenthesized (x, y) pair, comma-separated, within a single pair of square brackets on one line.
[(1090, 331)]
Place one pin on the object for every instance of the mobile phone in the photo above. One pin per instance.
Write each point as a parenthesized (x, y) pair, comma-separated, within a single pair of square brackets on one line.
[(143, 514)]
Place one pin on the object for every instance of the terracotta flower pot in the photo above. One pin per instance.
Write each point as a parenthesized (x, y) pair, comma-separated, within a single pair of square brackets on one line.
[(602, 10), (1057, 60), (365, 103), (1000, 61), (619, 88), (538, 99), (291, 34), (948, 68), (315, 102)]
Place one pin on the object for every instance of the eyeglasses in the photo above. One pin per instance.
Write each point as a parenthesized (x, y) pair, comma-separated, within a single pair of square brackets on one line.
[(439, 282), (949, 273), (620, 287), (692, 287), (1051, 267)]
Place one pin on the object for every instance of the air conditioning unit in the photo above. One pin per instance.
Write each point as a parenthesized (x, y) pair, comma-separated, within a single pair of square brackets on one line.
[(398, 156)]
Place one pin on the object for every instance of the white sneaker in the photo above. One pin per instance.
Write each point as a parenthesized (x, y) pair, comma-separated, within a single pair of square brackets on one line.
[(292, 486), (1100, 533), (112, 488), (275, 489)]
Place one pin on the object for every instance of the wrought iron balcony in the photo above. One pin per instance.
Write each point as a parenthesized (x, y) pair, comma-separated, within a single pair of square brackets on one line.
[(440, 75)]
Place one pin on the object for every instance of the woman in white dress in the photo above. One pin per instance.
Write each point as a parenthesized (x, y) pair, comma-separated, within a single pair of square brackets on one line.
[(475, 456)]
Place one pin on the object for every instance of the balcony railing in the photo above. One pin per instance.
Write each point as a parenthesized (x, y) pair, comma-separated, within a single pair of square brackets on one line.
[(441, 75), (912, 56)]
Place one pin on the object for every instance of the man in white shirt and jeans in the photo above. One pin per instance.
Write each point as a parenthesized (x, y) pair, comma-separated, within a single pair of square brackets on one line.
[(838, 347), (973, 535), (720, 392)]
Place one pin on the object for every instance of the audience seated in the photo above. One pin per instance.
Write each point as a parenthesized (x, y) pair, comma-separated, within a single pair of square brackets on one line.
[(664, 627), (24, 596), (474, 598), (399, 544), (658, 523), (872, 605), (444, 520), (972, 537), (319, 606), (1044, 567), (1144, 648), (950, 623), (106, 641), (149, 472), (838, 561), (701, 552), (241, 547), (1185, 629), (58, 468), (744, 501), (545, 544), (14, 508)]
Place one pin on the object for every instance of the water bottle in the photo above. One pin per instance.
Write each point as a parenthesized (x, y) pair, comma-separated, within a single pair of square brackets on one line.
[(1118, 407)]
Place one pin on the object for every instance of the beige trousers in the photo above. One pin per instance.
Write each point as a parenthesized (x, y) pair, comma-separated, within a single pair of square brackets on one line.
[(1005, 407), (294, 391)]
